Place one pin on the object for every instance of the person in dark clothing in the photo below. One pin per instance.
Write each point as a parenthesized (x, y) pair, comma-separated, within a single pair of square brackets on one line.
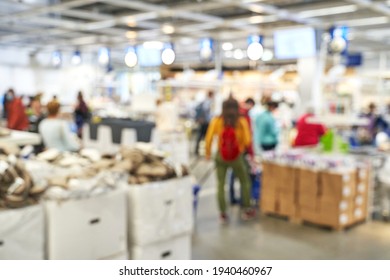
[(81, 113), (203, 117)]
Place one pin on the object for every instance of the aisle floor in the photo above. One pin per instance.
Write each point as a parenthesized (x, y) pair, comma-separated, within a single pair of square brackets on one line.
[(273, 238)]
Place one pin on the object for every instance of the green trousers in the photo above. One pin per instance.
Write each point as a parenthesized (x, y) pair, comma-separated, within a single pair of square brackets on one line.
[(240, 170)]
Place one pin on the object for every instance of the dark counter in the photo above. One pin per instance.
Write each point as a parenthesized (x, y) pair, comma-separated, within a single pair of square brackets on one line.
[(143, 128)]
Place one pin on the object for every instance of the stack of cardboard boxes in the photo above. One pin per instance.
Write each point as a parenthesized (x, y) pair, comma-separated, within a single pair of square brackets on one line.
[(334, 199)]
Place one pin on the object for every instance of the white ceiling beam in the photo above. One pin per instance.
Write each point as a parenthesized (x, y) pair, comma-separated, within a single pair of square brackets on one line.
[(46, 9), (374, 6)]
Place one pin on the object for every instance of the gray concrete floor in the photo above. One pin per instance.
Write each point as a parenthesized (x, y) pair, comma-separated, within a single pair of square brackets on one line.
[(273, 238)]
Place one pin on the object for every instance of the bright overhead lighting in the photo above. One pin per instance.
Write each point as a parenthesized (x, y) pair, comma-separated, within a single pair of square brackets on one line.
[(131, 58), (104, 56), (56, 59), (238, 54), (256, 8), (153, 45), (262, 19), (168, 29), (131, 34), (366, 21), (168, 56), (227, 46), (76, 58), (328, 11), (255, 51), (268, 55), (131, 22)]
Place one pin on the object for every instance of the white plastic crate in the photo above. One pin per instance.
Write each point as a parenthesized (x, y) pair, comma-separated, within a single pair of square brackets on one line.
[(91, 228), (160, 210), (177, 248), (22, 233)]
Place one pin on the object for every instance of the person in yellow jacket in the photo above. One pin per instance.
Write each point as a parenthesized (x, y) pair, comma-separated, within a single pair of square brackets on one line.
[(234, 138)]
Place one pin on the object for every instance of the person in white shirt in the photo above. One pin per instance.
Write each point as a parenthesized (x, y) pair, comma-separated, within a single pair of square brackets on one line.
[(56, 132)]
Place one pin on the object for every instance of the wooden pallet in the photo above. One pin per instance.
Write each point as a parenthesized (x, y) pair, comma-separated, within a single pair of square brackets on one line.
[(300, 221)]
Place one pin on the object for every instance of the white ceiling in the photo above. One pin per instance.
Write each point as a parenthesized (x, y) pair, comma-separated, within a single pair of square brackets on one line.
[(46, 25)]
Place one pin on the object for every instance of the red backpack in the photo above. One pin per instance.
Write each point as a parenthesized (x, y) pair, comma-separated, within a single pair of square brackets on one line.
[(229, 149)]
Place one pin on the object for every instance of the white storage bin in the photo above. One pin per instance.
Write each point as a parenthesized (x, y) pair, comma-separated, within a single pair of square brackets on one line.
[(177, 248), (91, 228), (118, 257), (160, 210), (22, 233)]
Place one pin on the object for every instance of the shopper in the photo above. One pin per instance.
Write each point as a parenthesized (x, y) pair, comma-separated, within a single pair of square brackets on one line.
[(266, 130), (203, 114), (81, 113), (308, 132), (166, 116), (234, 139), (55, 132), (35, 113), (376, 122), (16, 112), (245, 110)]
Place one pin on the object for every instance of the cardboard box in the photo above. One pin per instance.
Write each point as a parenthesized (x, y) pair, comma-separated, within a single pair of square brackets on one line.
[(286, 178), (287, 197), (90, 229), (287, 208), (268, 182), (268, 206), (159, 210), (22, 233), (335, 213), (360, 200), (269, 194), (308, 201), (309, 215), (359, 214), (268, 169), (338, 186), (363, 179), (176, 248), (309, 182)]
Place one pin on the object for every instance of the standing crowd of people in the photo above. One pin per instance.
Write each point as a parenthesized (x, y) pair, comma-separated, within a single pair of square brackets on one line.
[(240, 136), (45, 120)]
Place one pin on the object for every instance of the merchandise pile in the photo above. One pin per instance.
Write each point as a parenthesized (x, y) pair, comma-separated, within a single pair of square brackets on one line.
[(64, 175), (326, 190), (17, 188), (311, 159)]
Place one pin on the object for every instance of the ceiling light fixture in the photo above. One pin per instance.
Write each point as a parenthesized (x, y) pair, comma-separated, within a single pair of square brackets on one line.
[(227, 46), (131, 34), (104, 56), (262, 19), (268, 55), (255, 51), (131, 58), (255, 48), (168, 55), (76, 58), (168, 29), (56, 59)]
